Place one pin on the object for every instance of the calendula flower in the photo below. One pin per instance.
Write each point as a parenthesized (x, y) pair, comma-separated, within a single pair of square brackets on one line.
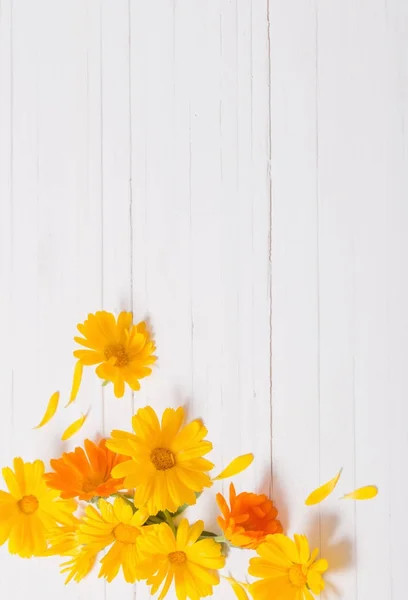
[(30, 510), (122, 350), (248, 520), (115, 526), (287, 569), (63, 541), (166, 465), (86, 473), (191, 563), (80, 565)]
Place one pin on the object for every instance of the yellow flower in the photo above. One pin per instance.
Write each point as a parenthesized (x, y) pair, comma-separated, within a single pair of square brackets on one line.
[(116, 526), (80, 565), (166, 466), (30, 510), (190, 562), (286, 569), (122, 350), (63, 541)]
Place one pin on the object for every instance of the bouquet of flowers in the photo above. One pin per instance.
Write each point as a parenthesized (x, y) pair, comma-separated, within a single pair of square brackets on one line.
[(120, 501)]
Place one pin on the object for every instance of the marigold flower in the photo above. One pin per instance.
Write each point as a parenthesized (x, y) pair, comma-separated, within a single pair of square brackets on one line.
[(122, 350), (116, 526), (248, 520), (182, 557), (80, 565), (63, 541), (287, 570), (166, 465), (30, 510), (86, 473)]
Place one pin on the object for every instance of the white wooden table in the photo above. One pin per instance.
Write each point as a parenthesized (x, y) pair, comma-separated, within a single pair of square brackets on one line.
[(237, 172)]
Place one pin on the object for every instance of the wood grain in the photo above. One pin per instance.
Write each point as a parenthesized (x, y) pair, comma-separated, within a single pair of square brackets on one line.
[(236, 172)]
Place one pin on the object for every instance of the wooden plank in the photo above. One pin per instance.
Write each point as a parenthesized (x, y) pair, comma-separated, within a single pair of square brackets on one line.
[(295, 276)]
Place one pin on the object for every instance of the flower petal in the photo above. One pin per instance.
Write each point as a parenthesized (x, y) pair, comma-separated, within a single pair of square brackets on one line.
[(303, 547), (320, 566), (76, 381), (364, 493), (315, 581), (73, 428), (50, 410), (236, 466), (237, 588), (323, 491)]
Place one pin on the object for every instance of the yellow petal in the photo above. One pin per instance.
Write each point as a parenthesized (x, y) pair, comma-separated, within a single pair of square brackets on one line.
[(323, 491), (238, 589), (73, 428), (51, 409), (76, 381), (236, 466), (364, 493)]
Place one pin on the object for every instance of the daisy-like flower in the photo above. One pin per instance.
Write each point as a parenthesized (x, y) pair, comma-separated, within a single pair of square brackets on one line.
[(287, 569), (63, 541), (79, 566), (122, 350), (86, 473), (30, 509), (115, 526), (248, 520), (166, 465), (191, 563)]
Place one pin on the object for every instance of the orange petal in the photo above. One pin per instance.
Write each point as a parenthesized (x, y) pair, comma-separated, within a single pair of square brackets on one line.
[(236, 466), (323, 491), (76, 381), (364, 493), (50, 410), (73, 428)]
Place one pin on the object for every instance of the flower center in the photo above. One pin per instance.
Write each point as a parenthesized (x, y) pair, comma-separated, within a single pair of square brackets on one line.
[(28, 504), (119, 352), (91, 483), (297, 576), (126, 534), (162, 458), (177, 558)]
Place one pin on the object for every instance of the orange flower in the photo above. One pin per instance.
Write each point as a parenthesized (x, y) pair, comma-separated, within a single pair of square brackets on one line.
[(85, 475), (249, 520)]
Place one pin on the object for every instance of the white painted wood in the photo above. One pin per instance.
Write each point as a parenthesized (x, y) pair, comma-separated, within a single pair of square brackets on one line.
[(236, 172)]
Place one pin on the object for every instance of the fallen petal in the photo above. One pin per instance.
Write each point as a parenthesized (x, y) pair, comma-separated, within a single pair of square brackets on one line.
[(50, 410), (323, 491), (236, 466)]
